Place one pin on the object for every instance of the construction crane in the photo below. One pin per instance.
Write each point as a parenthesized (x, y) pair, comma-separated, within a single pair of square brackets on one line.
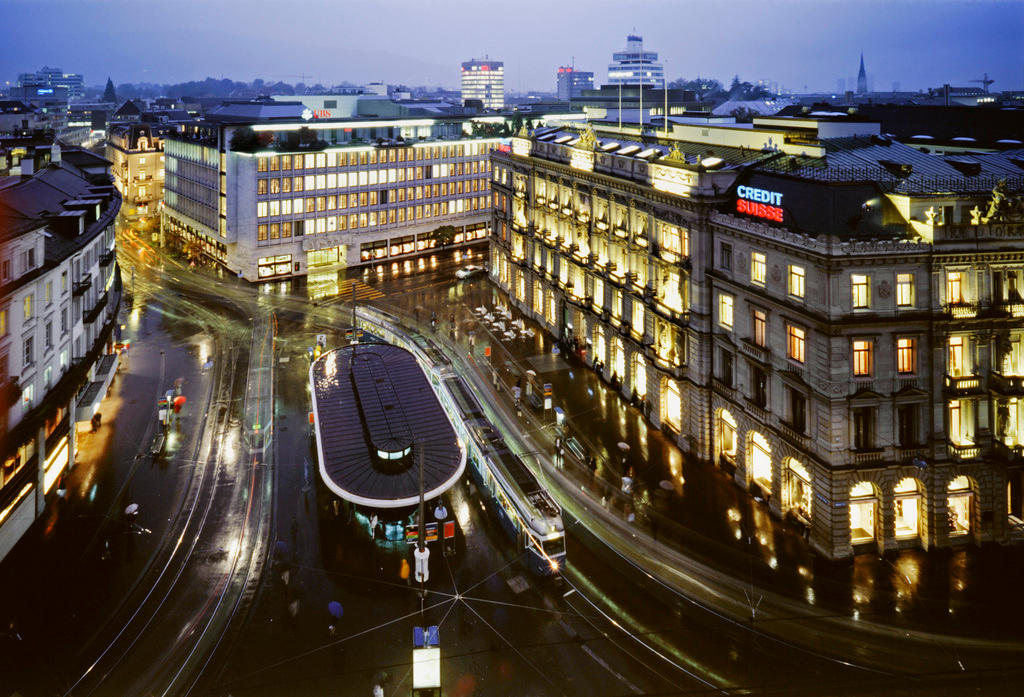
[(301, 77), (985, 81)]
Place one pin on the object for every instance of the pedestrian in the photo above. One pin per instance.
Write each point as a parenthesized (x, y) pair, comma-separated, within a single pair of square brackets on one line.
[(378, 691), (95, 421), (403, 571), (373, 524), (627, 482)]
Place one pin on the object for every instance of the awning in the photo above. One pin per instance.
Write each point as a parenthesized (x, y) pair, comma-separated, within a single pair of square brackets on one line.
[(95, 391)]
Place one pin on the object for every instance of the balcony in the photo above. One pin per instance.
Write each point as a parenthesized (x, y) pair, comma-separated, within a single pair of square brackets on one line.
[(868, 456), (910, 454), (961, 310), (1010, 308), (968, 451), (90, 315), (793, 435), (1009, 385), (1010, 454), (962, 386), (756, 411), (758, 353), (82, 286), (906, 384)]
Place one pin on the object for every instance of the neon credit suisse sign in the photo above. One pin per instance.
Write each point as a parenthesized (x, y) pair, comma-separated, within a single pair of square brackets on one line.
[(760, 202)]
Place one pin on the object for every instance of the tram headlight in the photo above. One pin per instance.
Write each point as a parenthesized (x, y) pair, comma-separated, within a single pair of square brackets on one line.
[(554, 565)]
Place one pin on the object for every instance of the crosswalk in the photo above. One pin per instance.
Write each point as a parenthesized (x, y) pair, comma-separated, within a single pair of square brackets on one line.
[(362, 291)]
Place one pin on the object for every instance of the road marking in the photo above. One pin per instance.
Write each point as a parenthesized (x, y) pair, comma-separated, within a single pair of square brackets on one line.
[(568, 592), (601, 662), (363, 291)]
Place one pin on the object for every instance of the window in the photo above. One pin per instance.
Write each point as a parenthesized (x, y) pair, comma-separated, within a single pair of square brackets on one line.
[(760, 327), (861, 291), (797, 404), (30, 351), (261, 209), (261, 186), (758, 386), (905, 290), (906, 356), (863, 360), (725, 310), (863, 428), (797, 337), (725, 362), (906, 424), (955, 366), (796, 281), (725, 256), (757, 267), (955, 287), (28, 306)]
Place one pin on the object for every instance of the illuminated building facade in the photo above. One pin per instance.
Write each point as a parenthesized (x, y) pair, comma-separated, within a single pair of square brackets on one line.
[(312, 197), (484, 80), (635, 66), (855, 365), (572, 82), (61, 292), (136, 154), (49, 78)]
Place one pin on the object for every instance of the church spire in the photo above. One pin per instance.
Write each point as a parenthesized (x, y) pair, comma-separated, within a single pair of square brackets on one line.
[(862, 77)]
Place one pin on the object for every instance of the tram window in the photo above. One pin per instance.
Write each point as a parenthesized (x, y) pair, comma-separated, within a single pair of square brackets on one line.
[(554, 547)]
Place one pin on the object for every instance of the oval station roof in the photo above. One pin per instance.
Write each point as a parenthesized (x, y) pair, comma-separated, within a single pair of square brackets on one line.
[(375, 414)]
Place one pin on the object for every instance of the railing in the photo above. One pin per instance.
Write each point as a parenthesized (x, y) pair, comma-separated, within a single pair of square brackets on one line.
[(90, 315), (792, 434), (905, 383), (866, 456), (965, 384), (1010, 308), (967, 451), (757, 411), (82, 286), (909, 454), (1011, 453), (1012, 385), (961, 310), (754, 351)]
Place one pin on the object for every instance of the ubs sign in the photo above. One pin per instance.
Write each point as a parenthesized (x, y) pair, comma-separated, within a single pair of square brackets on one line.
[(759, 202)]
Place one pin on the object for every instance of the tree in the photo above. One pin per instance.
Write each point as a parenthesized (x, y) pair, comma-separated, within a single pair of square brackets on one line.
[(244, 139), (444, 235), (109, 95)]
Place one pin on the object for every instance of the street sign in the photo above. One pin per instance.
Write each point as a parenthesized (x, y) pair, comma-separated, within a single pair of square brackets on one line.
[(547, 389), (321, 339), (412, 533), (449, 529)]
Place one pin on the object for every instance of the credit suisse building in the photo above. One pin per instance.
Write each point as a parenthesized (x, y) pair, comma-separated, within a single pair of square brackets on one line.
[(830, 316)]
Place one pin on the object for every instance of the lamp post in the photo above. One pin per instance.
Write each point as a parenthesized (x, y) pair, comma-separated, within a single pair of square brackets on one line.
[(421, 554)]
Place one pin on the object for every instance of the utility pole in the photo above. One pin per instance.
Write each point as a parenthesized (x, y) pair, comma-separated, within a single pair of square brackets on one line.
[(421, 554)]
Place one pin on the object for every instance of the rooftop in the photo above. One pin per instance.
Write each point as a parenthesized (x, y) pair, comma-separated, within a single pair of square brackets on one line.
[(376, 416)]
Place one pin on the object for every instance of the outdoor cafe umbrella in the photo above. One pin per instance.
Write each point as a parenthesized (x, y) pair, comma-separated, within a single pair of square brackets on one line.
[(334, 607)]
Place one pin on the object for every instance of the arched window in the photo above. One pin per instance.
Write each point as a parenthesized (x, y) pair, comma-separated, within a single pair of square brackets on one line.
[(760, 460), (908, 508), (959, 506), (727, 429), (673, 402), (798, 490), (639, 375), (863, 502)]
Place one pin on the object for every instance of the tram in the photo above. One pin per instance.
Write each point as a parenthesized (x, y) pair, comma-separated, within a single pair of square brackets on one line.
[(525, 510)]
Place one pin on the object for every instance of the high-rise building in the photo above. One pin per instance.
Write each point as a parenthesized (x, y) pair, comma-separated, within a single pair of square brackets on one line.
[(60, 293), (572, 82), (856, 365), (48, 78), (862, 77), (484, 80), (635, 66)]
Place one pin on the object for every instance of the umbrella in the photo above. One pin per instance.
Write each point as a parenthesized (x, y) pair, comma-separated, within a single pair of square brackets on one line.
[(334, 607), (624, 447), (179, 400), (532, 373), (132, 509)]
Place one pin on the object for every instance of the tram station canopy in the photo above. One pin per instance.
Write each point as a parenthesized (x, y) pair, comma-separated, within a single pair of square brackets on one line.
[(375, 416)]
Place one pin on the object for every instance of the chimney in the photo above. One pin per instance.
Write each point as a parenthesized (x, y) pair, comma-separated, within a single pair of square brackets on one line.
[(55, 153)]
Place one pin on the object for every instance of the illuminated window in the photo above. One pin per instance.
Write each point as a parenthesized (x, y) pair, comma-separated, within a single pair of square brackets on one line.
[(261, 209), (955, 364), (261, 186), (906, 355), (955, 287), (757, 267), (28, 306), (797, 338), (905, 290), (261, 164), (727, 423), (863, 501), (861, 291), (796, 281), (760, 327), (863, 360), (725, 310), (261, 232)]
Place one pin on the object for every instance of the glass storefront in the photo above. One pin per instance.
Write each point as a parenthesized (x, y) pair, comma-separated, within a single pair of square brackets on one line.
[(760, 461), (908, 508), (799, 489), (959, 506), (673, 404), (863, 502), (727, 424)]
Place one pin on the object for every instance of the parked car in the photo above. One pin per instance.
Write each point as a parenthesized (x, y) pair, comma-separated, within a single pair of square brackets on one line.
[(468, 271)]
